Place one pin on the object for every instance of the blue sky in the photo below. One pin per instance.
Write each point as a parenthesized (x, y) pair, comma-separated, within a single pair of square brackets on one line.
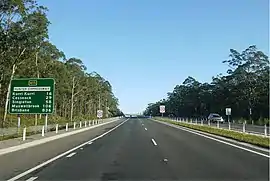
[(146, 47)]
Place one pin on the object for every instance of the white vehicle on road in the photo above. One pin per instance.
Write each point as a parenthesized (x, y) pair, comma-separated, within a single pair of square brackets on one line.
[(213, 117)]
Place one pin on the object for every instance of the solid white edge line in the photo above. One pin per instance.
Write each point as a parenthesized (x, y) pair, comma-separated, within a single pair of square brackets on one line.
[(154, 142), (32, 179), (48, 139), (59, 156), (71, 154), (220, 141), (89, 143)]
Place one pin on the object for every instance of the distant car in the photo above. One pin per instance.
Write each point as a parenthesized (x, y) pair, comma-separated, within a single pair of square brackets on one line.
[(213, 117)]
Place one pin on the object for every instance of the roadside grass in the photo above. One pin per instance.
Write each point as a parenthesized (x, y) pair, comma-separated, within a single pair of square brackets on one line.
[(243, 137), (30, 120), (19, 132)]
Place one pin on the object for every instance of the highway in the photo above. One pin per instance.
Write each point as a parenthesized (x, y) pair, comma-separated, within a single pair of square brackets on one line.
[(136, 149)]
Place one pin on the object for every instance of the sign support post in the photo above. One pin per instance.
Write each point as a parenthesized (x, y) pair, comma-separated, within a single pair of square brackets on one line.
[(46, 122), (19, 121)]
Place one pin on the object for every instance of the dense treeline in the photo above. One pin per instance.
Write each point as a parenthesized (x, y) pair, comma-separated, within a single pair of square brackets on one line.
[(25, 51), (245, 89)]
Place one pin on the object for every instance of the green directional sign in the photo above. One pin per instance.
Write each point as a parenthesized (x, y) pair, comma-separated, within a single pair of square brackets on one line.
[(32, 96)]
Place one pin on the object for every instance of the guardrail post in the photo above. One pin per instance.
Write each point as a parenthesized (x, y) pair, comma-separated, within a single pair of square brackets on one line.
[(56, 128), (265, 130), (201, 122), (84, 123), (244, 127), (42, 131), (229, 125), (80, 124), (89, 123), (217, 124), (74, 125), (209, 124), (24, 134), (66, 126)]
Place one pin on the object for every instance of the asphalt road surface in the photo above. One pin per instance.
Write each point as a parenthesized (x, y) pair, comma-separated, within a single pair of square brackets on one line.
[(141, 149)]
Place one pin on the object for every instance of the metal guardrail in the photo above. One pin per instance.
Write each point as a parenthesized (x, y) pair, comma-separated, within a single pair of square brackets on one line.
[(243, 128)]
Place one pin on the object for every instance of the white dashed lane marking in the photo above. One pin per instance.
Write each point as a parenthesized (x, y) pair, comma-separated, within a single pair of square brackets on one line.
[(154, 142), (71, 154), (32, 179)]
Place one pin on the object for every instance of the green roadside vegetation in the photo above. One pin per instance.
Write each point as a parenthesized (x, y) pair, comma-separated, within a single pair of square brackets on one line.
[(19, 133), (27, 52), (28, 133), (247, 138), (30, 120), (244, 88)]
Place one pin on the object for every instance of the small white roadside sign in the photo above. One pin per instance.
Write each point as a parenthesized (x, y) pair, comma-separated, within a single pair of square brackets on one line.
[(99, 113), (162, 109), (228, 111)]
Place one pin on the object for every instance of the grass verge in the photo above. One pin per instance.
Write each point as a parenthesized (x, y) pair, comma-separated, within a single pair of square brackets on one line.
[(29, 133), (247, 138)]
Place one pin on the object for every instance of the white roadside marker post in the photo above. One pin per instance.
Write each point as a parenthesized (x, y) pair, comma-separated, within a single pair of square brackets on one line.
[(42, 131), (24, 134), (66, 126), (80, 124), (229, 125), (74, 125), (56, 128), (265, 130)]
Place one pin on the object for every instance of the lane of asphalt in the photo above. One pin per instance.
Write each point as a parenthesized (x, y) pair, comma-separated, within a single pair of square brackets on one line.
[(158, 152), (197, 158), (17, 162), (127, 153)]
